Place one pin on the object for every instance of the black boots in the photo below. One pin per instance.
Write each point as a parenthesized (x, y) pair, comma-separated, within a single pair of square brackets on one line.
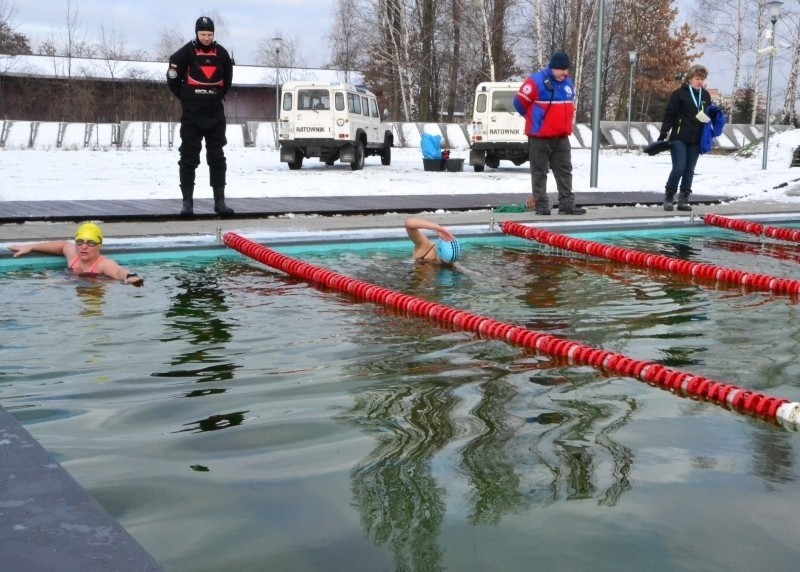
[(187, 209), (219, 202), (668, 198), (683, 201)]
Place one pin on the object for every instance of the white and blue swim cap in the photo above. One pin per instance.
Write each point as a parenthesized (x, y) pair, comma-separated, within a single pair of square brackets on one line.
[(448, 250)]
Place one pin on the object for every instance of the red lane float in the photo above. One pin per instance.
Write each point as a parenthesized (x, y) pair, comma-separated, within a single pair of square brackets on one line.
[(762, 406), (781, 233), (762, 282)]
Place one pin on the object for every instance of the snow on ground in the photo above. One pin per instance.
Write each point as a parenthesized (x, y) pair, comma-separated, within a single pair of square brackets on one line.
[(152, 173)]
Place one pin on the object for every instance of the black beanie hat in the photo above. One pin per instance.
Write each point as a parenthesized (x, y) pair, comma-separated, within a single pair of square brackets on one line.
[(559, 61), (204, 24)]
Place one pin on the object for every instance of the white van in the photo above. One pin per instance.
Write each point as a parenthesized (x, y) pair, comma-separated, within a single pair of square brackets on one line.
[(332, 121), (497, 131)]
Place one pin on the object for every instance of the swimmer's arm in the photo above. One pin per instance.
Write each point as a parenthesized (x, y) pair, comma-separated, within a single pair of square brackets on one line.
[(415, 225), (51, 247), (461, 268), (113, 270)]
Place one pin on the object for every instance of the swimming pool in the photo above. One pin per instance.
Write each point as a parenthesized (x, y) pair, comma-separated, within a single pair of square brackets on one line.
[(230, 416)]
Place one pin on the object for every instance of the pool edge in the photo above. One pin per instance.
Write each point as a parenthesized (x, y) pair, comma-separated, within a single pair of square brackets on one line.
[(49, 521)]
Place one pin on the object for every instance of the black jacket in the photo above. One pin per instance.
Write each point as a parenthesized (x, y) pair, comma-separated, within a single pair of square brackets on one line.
[(680, 115), (200, 73)]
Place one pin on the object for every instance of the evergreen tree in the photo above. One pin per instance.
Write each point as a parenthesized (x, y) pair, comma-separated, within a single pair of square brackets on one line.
[(743, 105), (13, 43)]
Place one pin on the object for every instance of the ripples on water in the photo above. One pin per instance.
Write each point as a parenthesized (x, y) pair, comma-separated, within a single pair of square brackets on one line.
[(230, 416)]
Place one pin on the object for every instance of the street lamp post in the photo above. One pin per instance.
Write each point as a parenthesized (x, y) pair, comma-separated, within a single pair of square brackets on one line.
[(277, 43), (598, 97), (774, 10), (632, 60)]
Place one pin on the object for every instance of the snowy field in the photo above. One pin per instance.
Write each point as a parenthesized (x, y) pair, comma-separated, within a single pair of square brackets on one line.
[(152, 173)]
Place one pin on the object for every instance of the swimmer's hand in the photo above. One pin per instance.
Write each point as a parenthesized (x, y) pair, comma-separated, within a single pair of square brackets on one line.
[(445, 234), (20, 249), (134, 280)]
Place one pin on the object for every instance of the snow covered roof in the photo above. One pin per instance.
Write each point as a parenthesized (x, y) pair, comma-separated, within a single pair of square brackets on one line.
[(95, 68)]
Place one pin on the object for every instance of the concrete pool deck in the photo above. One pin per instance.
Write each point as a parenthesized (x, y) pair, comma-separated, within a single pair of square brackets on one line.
[(47, 521), (320, 226)]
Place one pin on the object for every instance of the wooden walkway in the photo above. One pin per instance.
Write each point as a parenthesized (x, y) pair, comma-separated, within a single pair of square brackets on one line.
[(168, 209)]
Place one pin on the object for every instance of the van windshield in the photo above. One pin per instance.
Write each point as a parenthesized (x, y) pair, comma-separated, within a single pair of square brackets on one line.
[(317, 99), (503, 101)]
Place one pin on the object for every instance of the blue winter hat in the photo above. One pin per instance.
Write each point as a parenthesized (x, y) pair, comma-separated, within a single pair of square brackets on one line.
[(559, 61), (448, 250)]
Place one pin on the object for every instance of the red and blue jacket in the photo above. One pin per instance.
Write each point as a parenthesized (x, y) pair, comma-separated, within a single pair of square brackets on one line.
[(548, 105)]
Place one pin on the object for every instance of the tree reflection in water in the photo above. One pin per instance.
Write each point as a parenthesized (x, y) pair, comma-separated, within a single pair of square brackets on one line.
[(400, 502), (196, 317), (512, 463), (495, 484)]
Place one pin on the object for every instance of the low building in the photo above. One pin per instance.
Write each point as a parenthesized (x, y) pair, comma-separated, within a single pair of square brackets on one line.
[(59, 88)]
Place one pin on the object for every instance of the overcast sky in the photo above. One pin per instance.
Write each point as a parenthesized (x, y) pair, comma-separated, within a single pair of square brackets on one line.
[(140, 22), (247, 21)]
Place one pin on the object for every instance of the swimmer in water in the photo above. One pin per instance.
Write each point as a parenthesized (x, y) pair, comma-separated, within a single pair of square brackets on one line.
[(83, 255), (445, 251)]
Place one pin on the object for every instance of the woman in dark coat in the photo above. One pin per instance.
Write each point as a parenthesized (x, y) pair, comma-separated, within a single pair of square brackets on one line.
[(683, 122)]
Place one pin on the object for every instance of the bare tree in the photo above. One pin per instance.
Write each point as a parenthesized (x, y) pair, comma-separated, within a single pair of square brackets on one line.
[(760, 32), (394, 24), (74, 43), (385, 48), (169, 41), (454, 68), (486, 32), (582, 42), (287, 60), (344, 36), (112, 50), (221, 32), (790, 20), (727, 23)]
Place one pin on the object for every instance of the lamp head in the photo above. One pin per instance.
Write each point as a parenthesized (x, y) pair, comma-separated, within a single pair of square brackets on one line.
[(277, 42), (774, 10)]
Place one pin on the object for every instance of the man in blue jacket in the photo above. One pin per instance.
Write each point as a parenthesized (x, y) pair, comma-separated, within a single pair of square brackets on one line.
[(547, 100)]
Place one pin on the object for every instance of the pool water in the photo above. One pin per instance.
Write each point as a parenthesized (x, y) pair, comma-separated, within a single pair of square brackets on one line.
[(231, 417)]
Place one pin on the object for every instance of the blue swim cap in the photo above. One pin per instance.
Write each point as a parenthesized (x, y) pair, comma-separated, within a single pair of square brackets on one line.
[(448, 251)]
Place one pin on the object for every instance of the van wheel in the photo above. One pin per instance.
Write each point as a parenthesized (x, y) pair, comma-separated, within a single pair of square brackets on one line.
[(329, 162), (492, 162), (297, 163), (478, 168), (386, 156), (358, 159)]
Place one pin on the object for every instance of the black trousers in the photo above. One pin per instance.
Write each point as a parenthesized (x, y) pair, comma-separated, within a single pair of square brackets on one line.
[(198, 124), (551, 154)]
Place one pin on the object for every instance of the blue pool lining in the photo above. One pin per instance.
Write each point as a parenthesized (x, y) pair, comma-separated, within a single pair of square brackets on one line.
[(150, 249)]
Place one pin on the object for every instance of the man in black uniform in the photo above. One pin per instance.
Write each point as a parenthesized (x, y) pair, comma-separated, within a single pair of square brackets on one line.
[(200, 73)]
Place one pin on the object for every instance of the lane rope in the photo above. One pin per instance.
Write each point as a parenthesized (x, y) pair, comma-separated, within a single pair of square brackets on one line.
[(761, 406), (749, 227), (761, 282)]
